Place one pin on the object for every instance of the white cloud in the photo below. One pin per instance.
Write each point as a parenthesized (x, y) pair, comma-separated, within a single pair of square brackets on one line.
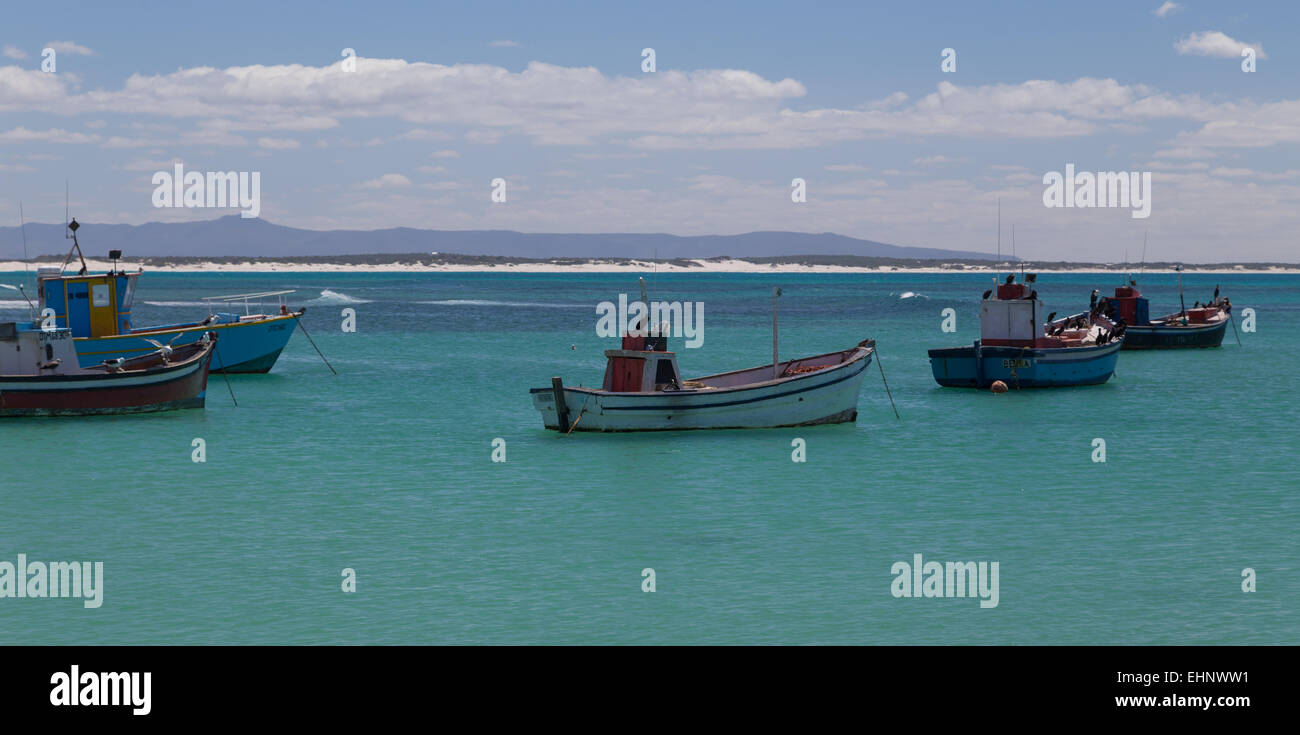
[(387, 181), (444, 154), (936, 160), (278, 144), (13, 52), (1216, 44), (845, 167), (145, 164), (424, 135), (580, 106), (504, 44), (1167, 9), (70, 48), (52, 135)]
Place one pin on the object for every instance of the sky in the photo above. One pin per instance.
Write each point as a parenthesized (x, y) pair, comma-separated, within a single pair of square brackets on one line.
[(553, 99)]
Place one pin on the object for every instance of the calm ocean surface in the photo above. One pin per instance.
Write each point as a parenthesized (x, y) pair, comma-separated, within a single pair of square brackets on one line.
[(387, 469)]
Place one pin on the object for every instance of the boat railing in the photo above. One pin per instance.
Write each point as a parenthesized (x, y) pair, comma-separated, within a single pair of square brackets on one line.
[(248, 299)]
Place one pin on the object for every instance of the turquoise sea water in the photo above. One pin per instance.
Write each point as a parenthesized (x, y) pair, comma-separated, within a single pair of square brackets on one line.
[(387, 469)]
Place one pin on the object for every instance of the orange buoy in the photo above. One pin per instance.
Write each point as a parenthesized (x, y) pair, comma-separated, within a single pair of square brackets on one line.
[(999, 386)]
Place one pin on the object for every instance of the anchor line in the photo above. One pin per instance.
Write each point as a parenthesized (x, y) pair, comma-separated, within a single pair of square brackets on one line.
[(881, 364), (1015, 369), (230, 390), (298, 318), (580, 410)]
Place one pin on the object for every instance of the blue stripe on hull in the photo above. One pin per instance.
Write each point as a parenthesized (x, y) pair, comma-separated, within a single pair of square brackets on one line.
[(244, 347), (1165, 338)]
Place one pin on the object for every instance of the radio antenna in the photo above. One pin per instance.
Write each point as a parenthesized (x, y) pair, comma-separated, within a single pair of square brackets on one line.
[(22, 288), (1142, 271)]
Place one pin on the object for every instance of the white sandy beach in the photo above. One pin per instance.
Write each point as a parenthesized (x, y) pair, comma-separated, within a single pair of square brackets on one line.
[(703, 266)]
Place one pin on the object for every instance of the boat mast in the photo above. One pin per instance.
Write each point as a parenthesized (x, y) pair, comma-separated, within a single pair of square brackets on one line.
[(775, 293), (1181, 303), (998, 275)]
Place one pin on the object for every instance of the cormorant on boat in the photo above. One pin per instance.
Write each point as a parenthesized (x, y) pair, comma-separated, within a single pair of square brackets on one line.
[(1011, 279), (986, 293), (1093, 301), (1033, 295), (1051, 317)]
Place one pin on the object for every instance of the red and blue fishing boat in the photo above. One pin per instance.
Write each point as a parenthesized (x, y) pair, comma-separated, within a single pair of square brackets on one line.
[(1203, 325), (40, 376), (1021, 349), (96, 307)]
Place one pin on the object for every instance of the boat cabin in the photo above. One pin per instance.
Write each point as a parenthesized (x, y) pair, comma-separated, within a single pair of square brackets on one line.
[(1131, 305), (27, 351), (1012, 318), (643, 365), (96, 305)]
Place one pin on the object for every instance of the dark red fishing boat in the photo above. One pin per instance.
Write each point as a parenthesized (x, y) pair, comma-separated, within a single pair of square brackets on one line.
[(39, 376)]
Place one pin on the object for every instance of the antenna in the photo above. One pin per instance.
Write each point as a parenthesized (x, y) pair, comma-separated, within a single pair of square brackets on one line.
[(65, 210), (1142, 272), (998, 272), (22, 288)]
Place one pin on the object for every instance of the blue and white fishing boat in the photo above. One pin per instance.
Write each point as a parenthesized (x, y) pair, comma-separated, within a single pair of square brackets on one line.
[(1020, 349), (97, 309)]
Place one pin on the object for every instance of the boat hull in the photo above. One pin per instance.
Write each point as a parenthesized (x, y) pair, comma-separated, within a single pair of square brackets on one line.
[(826, 397), (248, 346), (1160, 337), (979, 366), (165, 388)]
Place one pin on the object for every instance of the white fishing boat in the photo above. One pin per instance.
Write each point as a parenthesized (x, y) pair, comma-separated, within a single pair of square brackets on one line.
[(643, 391)]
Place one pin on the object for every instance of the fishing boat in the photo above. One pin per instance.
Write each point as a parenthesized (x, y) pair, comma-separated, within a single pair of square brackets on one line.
[(643, 390), (40, 376), (1199, 326), (97, 310), (1021, 349)]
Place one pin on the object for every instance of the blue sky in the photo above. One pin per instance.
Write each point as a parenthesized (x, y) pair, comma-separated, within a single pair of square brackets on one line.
[(746, 96)]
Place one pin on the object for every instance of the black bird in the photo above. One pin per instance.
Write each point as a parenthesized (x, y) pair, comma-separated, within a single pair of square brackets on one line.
[(1095, 294), (1011, 279), (1196, 304), (1050, 317), (1033, 295), (1031, 278), (1216, 291), (986, 293)]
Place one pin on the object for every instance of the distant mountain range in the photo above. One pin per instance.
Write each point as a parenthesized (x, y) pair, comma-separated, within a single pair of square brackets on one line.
[(232, 235)]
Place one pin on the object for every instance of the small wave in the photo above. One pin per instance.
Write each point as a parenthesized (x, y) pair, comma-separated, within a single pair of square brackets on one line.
[(13, 305), (484, 302), (5, 285), (178, 303), (334, 297), (912, 295)]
